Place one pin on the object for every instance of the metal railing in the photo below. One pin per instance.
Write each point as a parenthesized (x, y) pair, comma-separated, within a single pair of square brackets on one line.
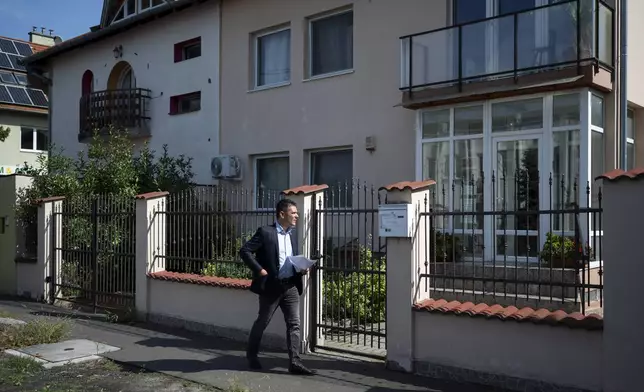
[(120, 109), (95, 257), (205, 227), (351, 277), (534, 245), (563, 34)]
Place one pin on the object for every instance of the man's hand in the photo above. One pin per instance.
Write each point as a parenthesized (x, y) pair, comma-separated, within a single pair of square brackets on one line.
[(263, 273), (304, 272)]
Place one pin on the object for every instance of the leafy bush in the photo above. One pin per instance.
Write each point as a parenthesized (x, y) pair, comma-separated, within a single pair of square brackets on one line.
[(361, 296), (563, 252), (226, 263), (103, 178), (447, 248)]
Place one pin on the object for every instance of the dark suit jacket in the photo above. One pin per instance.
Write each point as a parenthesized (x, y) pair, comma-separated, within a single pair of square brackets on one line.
[(262, 252)]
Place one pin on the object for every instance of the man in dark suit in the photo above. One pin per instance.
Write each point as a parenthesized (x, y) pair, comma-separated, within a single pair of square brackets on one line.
[(276, 282)]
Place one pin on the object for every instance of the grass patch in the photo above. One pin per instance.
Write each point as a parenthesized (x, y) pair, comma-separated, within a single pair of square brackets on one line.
[(34, 332), (14, 370)]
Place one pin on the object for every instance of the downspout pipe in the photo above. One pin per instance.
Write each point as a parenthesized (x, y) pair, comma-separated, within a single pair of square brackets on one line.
[(623, 96)]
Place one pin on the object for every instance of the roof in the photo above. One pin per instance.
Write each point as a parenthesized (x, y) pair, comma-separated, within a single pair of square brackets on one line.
[(512, 313), (35, 47), (619, 174), (109, 31)]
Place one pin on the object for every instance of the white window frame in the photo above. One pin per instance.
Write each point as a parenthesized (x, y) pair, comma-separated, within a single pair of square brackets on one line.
[(631, 140), (314, 19), (34, 131), (138, 8), (546, 146), (588, 159), (256, 38), (255, 161)]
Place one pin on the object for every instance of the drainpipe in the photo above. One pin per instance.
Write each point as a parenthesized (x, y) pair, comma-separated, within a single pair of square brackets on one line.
[(623, 97)]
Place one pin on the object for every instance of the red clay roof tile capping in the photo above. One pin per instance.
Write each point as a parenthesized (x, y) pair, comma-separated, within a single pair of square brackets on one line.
[(238, 284), (409, 185), (305, 189), (619, 174), (539, 316)]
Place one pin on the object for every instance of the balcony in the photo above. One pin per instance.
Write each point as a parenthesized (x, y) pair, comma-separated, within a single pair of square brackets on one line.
[(569, 42), (123, 110)]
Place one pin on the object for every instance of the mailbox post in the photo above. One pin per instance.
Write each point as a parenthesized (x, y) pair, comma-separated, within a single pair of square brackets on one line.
[(399, 224)]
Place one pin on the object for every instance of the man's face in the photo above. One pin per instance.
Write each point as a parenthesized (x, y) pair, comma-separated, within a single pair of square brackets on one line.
[(290, 216)]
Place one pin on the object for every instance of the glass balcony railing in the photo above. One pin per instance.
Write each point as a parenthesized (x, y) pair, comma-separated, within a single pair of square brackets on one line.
[(566, 33)]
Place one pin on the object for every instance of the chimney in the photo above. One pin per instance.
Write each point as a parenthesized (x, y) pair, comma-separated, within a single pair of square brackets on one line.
[(42, 37)]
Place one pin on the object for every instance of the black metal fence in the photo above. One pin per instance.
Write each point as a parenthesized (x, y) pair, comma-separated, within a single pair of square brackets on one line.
[(205, 227), (94, 257), (526, 241), (351, 277)]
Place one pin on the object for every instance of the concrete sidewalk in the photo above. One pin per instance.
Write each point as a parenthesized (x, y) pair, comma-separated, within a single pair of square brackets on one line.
[(219, 362)]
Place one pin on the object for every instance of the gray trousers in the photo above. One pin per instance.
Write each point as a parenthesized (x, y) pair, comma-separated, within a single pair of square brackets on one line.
[(289, 302)]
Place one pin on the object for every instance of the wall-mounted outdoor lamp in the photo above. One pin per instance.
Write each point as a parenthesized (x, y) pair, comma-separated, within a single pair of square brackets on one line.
[(118, 51)]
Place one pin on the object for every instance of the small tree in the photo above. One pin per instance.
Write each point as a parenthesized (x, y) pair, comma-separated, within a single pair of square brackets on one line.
[(4, 133)]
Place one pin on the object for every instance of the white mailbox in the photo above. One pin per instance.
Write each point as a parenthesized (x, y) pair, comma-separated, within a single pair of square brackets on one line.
[(396, 220)]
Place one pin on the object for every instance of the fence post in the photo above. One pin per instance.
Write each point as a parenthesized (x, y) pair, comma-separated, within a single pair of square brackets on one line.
[(405, 256), (47, 271), (150, 244), (307, 198), (623, 223)]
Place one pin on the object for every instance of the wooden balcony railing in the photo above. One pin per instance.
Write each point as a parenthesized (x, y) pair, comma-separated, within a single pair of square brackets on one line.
[(125, 110)]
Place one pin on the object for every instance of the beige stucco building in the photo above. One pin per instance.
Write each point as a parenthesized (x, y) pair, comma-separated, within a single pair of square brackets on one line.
[(507, 104)]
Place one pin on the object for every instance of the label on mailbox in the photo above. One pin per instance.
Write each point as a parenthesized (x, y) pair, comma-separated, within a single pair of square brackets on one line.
[(394, 220)]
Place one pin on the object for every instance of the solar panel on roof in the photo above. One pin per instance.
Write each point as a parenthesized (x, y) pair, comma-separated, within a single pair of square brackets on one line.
[(7, 77), (7, 46), (38, 97), (23, 48), (4, 95), (21, 78), (19, 95), (4, 61), (14, 62)]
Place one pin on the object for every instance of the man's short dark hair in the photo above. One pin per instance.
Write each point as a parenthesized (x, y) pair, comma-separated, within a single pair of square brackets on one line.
[(283, 205)]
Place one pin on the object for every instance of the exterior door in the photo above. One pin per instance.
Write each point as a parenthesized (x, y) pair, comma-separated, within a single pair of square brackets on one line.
[(517, 190)]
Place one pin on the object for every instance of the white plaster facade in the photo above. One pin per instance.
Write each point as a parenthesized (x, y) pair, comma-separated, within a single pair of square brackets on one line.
[(149, 50)]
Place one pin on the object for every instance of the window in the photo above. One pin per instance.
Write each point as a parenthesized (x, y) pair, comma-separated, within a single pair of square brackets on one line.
[(331, 44), (271, 178), (87, 83), (272, 58), (180, 104), (630, 140), (187, 50), (132, 7), (335, 169), (22, 79), (517, 115), (7, 77), (32, 139)]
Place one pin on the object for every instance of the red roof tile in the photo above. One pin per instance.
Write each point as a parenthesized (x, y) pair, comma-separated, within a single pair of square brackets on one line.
[(539, 316), (151, 195), (619, 174), (409, 185), (305, 189), (239, 284)]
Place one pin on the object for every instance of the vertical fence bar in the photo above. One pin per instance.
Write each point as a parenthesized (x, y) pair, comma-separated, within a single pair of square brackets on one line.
[(94, 250)]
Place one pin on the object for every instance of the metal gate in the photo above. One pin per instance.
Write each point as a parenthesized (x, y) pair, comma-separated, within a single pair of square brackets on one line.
[(93, 261), (349, 282)]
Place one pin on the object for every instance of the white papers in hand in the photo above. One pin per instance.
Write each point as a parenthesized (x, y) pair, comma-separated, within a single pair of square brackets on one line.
[(300, 262)]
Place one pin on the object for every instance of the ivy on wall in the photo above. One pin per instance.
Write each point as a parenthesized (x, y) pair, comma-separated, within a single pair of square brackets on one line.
[(4, 133)]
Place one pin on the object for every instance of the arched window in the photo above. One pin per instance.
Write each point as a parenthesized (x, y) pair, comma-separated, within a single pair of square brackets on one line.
[(87, 85)]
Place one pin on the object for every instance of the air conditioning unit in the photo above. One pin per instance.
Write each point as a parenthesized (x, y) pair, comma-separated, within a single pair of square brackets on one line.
[(226, 167)]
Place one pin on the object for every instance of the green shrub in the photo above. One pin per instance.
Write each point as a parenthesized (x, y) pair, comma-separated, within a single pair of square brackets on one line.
[(360, 295), (563, 252)]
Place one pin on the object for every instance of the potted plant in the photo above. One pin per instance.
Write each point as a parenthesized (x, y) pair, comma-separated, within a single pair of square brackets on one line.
[(563, 252)]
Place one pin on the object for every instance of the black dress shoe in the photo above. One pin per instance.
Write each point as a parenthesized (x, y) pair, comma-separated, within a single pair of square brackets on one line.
[(299, 369), (254, 364)]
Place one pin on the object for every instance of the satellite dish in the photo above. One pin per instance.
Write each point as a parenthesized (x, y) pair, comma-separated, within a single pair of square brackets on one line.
[(58, 39)]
